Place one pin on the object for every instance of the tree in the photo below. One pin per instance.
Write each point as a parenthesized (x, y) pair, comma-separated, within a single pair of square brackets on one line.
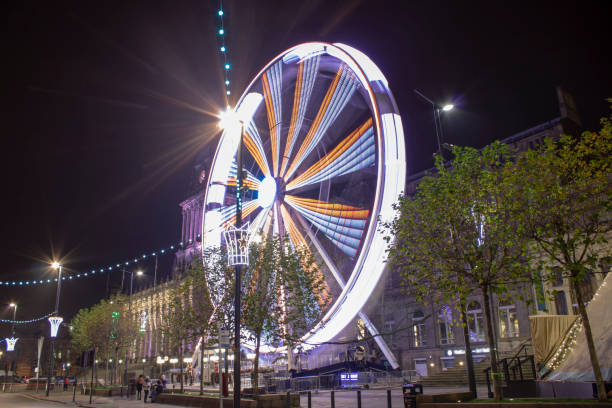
[(104, 327), (567, 197), (459, 235), (199, 318), (175, 323), (284, 295)]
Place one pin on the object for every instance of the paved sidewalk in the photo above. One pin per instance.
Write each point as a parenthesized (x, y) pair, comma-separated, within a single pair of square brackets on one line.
[(83, 400)]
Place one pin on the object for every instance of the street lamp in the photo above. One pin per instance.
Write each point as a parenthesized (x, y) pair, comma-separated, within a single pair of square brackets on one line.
[(437, 118), (233, 121), (129, 316), (55, 321)]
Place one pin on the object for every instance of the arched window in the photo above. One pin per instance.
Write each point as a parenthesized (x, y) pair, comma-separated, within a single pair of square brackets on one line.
[(508, 319), (445, 323), (418, 329), (476, 322)]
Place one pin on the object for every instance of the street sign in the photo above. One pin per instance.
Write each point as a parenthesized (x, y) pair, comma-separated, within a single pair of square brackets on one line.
[(224, 337)]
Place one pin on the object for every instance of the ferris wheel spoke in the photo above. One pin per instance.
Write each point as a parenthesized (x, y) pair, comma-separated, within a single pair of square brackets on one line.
[(355, 152), (251, 182), (228, 213), (338, 94), (298, 242), (259, 221), (252, 141), (342, 224), (307, 73), (272, 84)]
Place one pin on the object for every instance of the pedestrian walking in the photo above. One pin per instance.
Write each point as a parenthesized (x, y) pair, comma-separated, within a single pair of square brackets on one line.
[(147, 388), (139, 385), (66, 383)]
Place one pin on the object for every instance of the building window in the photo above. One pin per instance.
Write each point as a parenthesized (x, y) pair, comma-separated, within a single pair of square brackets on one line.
[(508, 320), (586, 290), (445, 323), (557, 276), (476, 322), (447, 362), (418, 329), (561, 303)]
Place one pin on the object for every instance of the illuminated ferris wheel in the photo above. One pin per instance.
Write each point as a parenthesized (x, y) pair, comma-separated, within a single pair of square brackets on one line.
[(324, 161)]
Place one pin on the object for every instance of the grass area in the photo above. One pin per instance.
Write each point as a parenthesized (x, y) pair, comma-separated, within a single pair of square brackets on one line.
[(523, 400)]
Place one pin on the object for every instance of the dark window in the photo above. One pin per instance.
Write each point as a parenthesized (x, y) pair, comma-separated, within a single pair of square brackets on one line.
[(561, 303)]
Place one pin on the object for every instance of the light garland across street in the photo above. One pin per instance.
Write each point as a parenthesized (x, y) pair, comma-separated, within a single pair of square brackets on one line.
[(94, 272), (25, 321)]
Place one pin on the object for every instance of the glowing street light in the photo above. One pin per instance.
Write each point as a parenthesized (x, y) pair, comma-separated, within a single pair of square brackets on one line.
[(54, 321), (437, 119)]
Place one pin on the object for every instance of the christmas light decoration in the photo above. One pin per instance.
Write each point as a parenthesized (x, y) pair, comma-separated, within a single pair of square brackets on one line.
[(10, 343), (92, 272), (55, 322)]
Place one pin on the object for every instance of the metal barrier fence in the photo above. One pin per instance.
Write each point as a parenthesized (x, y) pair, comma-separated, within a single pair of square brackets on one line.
[(345, 380)]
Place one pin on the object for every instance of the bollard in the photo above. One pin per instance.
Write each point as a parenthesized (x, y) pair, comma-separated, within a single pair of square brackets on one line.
[(358, 398), (288, 404), (333, 399), (74, 391), (389, 398), (309, 400)]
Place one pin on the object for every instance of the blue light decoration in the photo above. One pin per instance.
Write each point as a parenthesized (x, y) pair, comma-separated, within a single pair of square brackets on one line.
[(220, 12), (227, 67), (92, 272), (221, 31), (226, 82), (222, 49)]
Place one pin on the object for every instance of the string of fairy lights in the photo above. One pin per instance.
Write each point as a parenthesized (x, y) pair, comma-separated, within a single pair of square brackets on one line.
[(26, 321), (98, 271), (222, 35), (570, 340)]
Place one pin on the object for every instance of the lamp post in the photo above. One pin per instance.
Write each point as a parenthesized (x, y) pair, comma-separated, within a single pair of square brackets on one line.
[(231, 119), (125, 371), (437, 119), (55, 321)]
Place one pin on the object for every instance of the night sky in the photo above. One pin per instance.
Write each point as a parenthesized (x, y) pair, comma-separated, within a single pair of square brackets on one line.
[(105, 105)]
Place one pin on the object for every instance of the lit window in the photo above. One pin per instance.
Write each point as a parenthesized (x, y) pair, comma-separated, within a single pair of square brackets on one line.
[(445, 323), (508, 320), (418, 329), (476, 322)]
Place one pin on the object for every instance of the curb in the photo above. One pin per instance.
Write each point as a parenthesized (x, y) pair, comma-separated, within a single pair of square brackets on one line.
[(44, 399)]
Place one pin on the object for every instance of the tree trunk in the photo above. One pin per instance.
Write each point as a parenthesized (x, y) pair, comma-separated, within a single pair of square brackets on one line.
[(497, 389), (181, 366), (601, 389), (468, 350), (256, 367), (202, 366)]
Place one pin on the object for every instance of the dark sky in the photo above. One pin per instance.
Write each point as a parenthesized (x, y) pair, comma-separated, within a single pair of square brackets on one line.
[(105, 104)]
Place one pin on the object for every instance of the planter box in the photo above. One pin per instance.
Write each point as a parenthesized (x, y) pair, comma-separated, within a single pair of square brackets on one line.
[(263, 401)]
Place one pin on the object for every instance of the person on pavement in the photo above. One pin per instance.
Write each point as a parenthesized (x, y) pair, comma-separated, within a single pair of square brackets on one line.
[(139, 385), (147, 388)]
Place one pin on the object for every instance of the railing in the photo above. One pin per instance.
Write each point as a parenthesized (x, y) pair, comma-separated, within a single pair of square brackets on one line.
[(514, 369), (360, 379)]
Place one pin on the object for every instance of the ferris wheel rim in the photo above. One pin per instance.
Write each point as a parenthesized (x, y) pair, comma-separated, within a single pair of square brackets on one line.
[(348, 55)]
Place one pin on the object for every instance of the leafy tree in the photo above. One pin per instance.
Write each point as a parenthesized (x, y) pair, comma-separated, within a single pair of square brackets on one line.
[(104, 327), (459, 235), (175, 323), (199, 319), (284, 295), (567, 196)]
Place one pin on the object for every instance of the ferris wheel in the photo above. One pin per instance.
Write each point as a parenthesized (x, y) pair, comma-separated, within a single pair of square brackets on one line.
[(323, 161)]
